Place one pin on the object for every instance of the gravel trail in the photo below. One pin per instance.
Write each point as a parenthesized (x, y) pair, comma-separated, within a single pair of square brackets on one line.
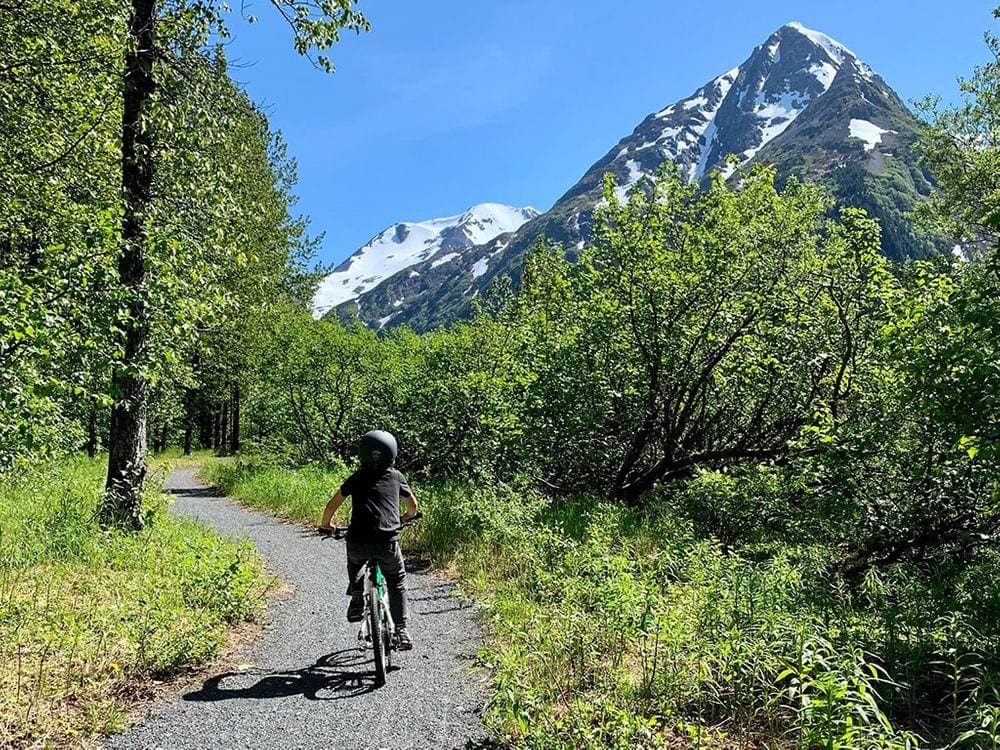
[(306, 683)]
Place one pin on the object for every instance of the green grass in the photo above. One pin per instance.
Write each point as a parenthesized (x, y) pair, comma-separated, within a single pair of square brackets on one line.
[(298, 495), (610, 630), (173, 458), (87, 619)]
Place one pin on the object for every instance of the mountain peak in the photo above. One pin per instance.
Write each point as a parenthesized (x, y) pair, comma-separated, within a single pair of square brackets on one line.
[(507, 218), (835, 49), (495, 209), (739, 112), (838, 53), (405, 244)]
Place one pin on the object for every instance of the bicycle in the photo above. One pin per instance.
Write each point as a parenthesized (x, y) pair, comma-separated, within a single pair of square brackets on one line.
[(377, 626)]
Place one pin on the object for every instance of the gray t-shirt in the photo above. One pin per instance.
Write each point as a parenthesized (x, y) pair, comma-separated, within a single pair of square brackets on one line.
[(375, 504)]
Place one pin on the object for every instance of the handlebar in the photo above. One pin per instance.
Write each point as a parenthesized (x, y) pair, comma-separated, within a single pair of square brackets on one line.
[(419, 514), (338, 532)]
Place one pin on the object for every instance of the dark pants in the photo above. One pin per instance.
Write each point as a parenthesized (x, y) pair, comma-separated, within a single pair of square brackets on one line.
[(390, 560)]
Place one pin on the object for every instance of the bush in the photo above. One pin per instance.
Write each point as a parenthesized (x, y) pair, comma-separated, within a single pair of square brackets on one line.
[(611, 627)]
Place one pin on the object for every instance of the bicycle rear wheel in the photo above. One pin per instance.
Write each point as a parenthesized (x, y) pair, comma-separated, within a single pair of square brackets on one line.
[(377, 628)]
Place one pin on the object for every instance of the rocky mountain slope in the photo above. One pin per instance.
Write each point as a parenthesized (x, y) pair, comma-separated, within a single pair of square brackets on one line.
[(429, 245), (802, 101)]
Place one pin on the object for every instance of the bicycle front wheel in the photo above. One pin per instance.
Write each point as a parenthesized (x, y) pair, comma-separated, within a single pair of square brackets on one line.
[(377, 628)]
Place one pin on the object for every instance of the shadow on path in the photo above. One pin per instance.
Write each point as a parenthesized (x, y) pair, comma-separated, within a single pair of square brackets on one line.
[(195, 492), (342, 674), (440, 595)]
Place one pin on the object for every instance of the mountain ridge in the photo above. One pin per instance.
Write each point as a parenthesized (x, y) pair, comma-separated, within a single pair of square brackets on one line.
[(403, 245)]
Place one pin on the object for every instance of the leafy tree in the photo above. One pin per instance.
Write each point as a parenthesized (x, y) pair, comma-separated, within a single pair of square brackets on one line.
[(58, 148), (452, 398), (962, 146), (932, 437), (919, 475), (146, 117), (315, 377), (702, 329), (268, 277)]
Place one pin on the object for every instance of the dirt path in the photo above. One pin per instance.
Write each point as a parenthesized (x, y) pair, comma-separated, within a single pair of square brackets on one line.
[(305, 683)]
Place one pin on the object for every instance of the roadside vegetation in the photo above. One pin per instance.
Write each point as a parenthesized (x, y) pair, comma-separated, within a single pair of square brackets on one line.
[(146, 231), (90, 620), (297, 495), (611, 627)]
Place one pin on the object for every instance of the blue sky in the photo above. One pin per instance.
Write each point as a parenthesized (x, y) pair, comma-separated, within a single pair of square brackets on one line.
[(449, 103)]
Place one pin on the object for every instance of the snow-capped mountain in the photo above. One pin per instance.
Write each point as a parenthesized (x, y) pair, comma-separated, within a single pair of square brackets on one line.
[(403, 245), (746, 109), (801, 101)]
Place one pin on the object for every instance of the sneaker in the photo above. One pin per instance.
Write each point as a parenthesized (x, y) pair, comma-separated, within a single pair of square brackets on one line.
[(405, 642), (356, 609)]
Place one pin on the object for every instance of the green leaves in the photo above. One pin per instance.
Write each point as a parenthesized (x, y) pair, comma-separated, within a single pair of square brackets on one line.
[(222, 243), (56, 215), (962, 147), (698, 329), (317, 24)]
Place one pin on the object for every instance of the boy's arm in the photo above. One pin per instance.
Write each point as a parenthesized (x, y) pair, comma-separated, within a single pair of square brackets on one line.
[(411, 507), (331, 507)]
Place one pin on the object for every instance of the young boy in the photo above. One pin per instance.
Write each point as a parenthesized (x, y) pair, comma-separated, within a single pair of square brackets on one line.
[(373, 534)]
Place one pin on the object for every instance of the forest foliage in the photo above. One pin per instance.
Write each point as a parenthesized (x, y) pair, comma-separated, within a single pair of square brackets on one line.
[(146, 217), (91, 621), (728, 474)]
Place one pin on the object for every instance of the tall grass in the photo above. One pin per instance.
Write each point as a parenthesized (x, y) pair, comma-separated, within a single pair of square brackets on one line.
[(88, 618), (298, 495), (611, 630)]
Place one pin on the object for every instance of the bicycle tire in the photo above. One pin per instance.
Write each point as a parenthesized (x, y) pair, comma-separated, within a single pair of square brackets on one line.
[(387, 636), (377, 635)]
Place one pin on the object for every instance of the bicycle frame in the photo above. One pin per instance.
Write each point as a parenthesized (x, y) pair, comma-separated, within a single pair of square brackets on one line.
[(376, 583)]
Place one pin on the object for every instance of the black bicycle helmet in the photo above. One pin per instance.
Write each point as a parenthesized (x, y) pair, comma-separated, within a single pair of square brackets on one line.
[(377, 449)]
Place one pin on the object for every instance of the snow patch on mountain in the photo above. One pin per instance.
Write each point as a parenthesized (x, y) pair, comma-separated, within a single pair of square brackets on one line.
[(697, 112), (443, 259), (635, 174), (868, 132), (823, 72), (407, 243), (707, 131), (776, 116), (835, 49), (480, 267), (708, 140)]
